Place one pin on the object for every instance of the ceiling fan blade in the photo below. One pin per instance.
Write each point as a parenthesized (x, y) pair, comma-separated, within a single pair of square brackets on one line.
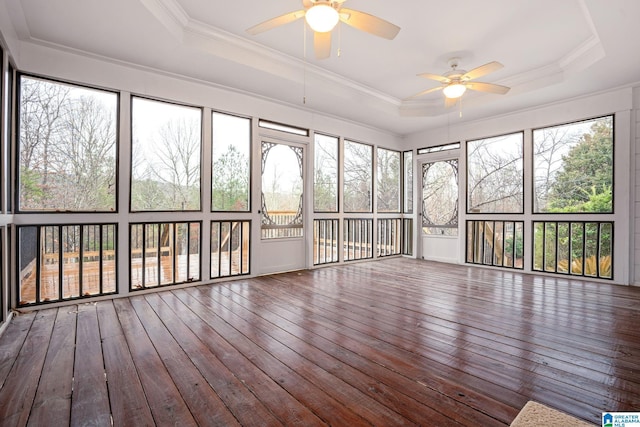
[(322, 44), (436, 77), (275, 22), (424, 92), (369, 23), (450, 102), (487, 87), (482, 70)]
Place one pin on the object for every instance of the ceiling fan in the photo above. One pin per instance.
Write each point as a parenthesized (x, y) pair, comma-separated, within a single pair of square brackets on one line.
[(456, 82), (322, 16)]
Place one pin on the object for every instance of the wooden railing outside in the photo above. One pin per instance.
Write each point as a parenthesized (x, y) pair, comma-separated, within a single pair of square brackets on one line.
[(64, 262), (325, 241), (230, 248)]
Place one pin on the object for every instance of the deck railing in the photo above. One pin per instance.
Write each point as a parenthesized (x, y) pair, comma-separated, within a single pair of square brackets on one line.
[(495, 243), (358, 238), (389, 241), (325, 241)]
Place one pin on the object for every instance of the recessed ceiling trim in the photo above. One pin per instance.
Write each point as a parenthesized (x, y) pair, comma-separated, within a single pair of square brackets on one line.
[(234, 48)]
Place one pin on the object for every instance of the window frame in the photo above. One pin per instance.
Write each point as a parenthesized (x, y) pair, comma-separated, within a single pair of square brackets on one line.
[(250, 184), (523, 173), (372, 194), (201, 151), (338, 164), (613, 166), (18, 75), (377, 180)]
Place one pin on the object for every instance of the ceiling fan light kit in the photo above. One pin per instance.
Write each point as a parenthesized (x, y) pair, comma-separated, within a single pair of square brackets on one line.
[(455, 83), (455, 90), (322, 18)]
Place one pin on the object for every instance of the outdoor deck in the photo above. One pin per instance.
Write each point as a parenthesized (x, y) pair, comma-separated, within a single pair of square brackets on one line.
[(393, 342)]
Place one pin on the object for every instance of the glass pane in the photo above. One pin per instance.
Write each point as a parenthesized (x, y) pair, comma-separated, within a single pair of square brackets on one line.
[(563, 247), (550, 238), (282, 188), (181, 252), (194, 251), (358, 161), (606, 241), (495, 174), (165, 157), (71, 262), (27, 237), (136, 241), (408, 181), (440, 198), (388, 180), (166, 253), (591, 249), (151, 254), (67, 147), (49, 263), (230, 173), (109, 272), (573, 167), (325, 174)]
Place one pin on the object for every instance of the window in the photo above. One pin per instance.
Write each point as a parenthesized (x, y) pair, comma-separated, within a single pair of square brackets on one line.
[(231, 167), (282, 190), (230, 248), (325, 174), (495, 181), (439, 148), (440, 197), (496, 243), (67, 147), (283, 128), (325, 241), (358, 182), (358, 239), (389, 236), (164, 254), (575, 248), (61, 262), (407, 162), (388, 180), (165, 157), (573, 167)]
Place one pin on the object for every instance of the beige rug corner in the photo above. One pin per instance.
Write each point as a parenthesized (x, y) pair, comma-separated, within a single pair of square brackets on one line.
[(535, 414)]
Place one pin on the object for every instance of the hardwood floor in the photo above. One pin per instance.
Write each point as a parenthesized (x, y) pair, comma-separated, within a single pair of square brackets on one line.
[(395, 342)]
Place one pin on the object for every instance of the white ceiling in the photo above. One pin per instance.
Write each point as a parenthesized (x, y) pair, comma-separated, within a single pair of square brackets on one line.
[(551, 50)]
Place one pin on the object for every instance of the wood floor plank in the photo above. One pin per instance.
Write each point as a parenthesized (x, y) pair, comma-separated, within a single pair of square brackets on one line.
[(165, 401), (206, 406), (264, 388), (323, 405), (129, 406), (12, 341), (563, 375), (389, 388), (233, 393), (52, 404), (90, 398), (429, 376), (19, 390), (370, 408)]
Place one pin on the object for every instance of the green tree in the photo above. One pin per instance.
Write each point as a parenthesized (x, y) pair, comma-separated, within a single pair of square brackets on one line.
[(230, 181), (586, 180)]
